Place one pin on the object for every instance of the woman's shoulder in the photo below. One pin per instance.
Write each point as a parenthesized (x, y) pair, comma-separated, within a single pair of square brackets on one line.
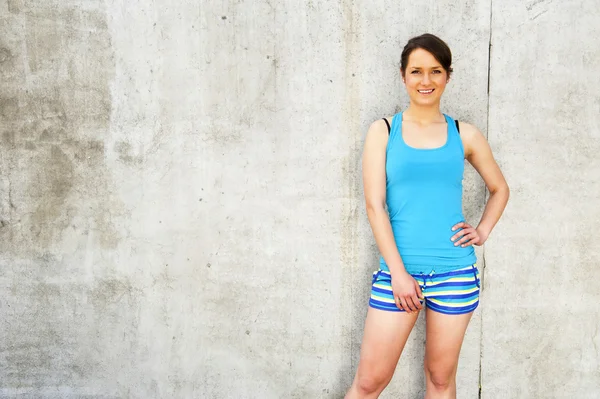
[(380, 126), (468, 130), (471, 137), (378, 134), (465, 127)]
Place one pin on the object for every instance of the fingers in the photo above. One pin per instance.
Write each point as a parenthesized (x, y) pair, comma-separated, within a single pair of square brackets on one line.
[(473, 241), (418, 295), (408, 299), (416, 303), (418, 289), (470, 235), (404, 305), (466, 236), (409, 304), (460, 225), (469, 239), (465, 230), (460, 235)]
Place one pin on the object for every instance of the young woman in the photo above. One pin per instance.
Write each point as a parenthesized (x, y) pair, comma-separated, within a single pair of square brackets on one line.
[(413, 162)]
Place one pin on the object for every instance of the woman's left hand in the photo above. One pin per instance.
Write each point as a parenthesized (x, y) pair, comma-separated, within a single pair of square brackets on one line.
[(467, 236)]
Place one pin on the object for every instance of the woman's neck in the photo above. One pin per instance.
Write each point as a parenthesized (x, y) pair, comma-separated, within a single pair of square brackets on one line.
[(424, 115)]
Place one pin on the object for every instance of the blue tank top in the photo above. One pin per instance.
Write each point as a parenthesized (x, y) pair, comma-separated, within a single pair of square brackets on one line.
[(424, 201)]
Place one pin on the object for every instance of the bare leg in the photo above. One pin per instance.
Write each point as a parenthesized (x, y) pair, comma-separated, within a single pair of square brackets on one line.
[(384, 338), (445, 334)]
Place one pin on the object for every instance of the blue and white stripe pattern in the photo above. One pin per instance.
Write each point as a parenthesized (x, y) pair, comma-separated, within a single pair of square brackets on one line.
[(455, 292)]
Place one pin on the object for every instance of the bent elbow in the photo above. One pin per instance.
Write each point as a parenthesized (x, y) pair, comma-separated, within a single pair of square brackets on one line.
[(502, 190), (374, 207)]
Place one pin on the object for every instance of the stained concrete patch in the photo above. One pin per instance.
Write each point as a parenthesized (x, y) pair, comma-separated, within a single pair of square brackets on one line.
[(47, 124), (126, 154), (5, 55), (49, 190), (57, 205), (9, 109)]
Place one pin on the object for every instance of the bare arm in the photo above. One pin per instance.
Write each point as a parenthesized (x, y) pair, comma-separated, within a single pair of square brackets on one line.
[(405, 288), (374, 181), (479, 154)]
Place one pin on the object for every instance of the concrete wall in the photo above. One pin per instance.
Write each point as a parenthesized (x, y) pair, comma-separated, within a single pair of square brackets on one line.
[(181, 210), (541, 315)]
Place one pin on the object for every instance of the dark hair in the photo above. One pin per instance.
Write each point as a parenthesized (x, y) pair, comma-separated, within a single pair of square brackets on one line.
[(431, 43)]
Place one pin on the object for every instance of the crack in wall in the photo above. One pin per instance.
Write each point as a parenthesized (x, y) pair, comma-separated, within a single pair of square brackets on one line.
[(485, 197)]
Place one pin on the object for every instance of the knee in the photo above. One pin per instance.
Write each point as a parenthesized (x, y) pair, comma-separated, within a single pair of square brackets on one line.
[(441, 380), (369, 384)]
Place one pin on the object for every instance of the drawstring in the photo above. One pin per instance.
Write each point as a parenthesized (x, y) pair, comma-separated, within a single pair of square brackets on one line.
[(375, 276), (424, 278), (378, 274), (474, 269)]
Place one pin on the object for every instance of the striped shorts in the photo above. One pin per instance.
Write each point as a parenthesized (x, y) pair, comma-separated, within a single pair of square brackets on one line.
[(455, 292)]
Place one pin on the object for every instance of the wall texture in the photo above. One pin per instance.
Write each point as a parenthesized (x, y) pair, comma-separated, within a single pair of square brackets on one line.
[(181, 210), (541, 318)]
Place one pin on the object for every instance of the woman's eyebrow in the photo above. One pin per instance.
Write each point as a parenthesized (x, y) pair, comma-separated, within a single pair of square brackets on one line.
[(433, 67)]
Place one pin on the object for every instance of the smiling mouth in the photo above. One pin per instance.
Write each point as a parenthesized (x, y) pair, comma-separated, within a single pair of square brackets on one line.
[(426, 91)]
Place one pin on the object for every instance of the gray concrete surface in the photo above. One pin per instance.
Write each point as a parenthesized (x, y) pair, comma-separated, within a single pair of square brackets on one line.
[(542, 300), (181, 210)]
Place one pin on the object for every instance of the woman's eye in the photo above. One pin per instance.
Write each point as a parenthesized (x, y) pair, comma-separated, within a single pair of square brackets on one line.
[(413, 72), (437, 71)]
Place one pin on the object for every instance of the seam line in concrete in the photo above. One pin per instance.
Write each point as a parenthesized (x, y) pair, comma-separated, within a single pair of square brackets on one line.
[(10, 202), (485, 197)]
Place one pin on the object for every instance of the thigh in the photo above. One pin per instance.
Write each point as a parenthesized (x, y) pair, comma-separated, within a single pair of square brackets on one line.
[(451, 299), (444, 337), (384, 337)]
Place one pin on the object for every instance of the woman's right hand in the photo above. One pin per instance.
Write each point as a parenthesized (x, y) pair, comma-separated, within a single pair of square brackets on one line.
[(406, 292)]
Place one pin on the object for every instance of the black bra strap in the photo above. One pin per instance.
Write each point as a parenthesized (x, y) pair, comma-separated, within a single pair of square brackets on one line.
[(388, 125), (457, 128)]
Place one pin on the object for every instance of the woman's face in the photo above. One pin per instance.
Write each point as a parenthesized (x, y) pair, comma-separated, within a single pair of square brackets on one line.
[(425, 78)]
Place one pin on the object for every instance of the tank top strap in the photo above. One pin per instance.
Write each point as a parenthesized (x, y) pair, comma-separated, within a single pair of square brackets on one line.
[(454, 138), (394, 131), (451, 125), (396, 124)]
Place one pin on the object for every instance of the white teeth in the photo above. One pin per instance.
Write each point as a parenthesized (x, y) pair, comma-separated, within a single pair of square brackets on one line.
[(426, 91)]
